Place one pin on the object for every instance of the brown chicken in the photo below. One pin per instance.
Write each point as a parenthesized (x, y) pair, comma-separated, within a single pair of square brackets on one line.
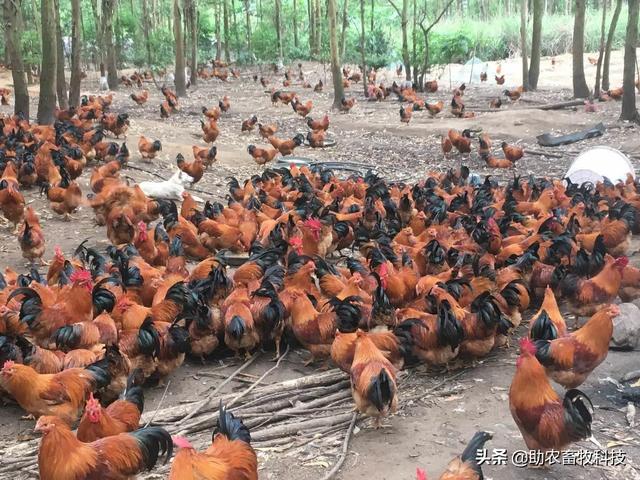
[(249, 124), (500, 80), (485, 144), (405, 114), (224, 104), (435, 108), (11, 202), (302, 109), (513, 95), (240, 333), (445, 143), (462, 141), (194, 169), (62, 394), (206, 155), (267, 131), (31, 237), (616, 93), (570, 359), (495, 162), (373, 381), (230, 456), (545, 421), (210, 131), (465, 466), (513, 153), (147, 148), (140, 98), (483, 76), (495, 103), (120, 457), (262, 156), (547, 323), (65, 198), (316, 138), (121, 416), (286, 147), (317, 125), (212, 113), (347, 104)]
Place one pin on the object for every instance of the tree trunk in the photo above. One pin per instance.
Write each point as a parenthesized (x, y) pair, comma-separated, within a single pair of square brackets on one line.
[(191, 15), (414, 42), (61, 83), (534, 66), (523, 44), (596, 89), (76, 51), (312, 27), (607, 50), (278, 19), (225, 17), (405, 39), (318, 28), (580, 88), (145, 31), (363, 58), (216, 7), (234, 26), (295, 23), (13, 28), (629, 110), (345, 26), (108, 8), (178, 36), (248, 20), (336, 71), (47, 98), (373, 4)]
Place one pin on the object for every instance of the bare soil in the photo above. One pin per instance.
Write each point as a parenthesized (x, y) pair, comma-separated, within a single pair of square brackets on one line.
[(432, 428)]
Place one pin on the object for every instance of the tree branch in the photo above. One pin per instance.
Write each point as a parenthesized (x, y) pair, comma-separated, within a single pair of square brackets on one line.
[(395, 7), (437, 20)]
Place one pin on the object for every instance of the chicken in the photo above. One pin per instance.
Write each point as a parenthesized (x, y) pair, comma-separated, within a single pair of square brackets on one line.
[(485, 144), (495, 103), (513, 95), (286, 147), (61, 394), (462, 141), (445, 143), (118, 124), (262, 156), (31, 237), (587, 296), (11, 202), (279, 96), (616, 93), (431, 86), (230, 456), (120, 457), (318, 87), (546, 422), (206, 155), (249, 124), (194, 169), (240, 333), (500, 80), (147, 148), (140, 98), (547, 323), (212, 113), (570, 359), (302, 109), (224, 104), (121, 416), (405, 114), (347, 104), (435, 108), (592, 60), (210, 131), (267, 131), (483, 76), (317, 125), (467, 466), (165, 110), (64, 198), (513, 153), (373, 381), (495, 162), (316, 138)]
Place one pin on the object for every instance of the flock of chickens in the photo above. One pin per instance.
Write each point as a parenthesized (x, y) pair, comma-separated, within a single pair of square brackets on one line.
[(367, 274)]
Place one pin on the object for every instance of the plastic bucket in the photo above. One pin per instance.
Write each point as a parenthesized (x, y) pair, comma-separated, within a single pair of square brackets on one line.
[(594, 164)]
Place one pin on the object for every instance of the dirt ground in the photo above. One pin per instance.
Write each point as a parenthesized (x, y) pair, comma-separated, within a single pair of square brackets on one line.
[(428, 431)]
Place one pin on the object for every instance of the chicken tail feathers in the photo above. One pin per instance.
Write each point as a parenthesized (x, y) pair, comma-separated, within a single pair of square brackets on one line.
[(236, 327), (231, 427), (100, 372), (134, 392), (381, 390), (578, 414), (543, 328), (470, 453), (153, 442)]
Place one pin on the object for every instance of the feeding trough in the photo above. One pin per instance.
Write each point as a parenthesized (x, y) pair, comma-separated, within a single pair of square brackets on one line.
[(596, 163)]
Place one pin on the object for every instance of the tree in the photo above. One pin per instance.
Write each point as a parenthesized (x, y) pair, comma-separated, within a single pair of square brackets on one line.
[(108, 9), (227, 41), (47, 98), (191, 15), (279, 29), (362, 49), (404, 22), (425, 32), (61, 83), (336, 66), (596, 89), (248, 20), (345, 26), (534, 65), (295, 23), (523, 44), (13, 28), (607, 50), (580, 88), (76, 50), (629, 110), (145, 30), (180, 81)]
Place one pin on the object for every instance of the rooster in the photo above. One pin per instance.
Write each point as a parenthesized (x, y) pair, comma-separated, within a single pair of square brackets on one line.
[(147, 148), (140, 98), (31, 237)]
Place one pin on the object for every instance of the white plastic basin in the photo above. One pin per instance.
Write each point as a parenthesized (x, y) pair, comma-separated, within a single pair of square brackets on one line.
[(594, 164)]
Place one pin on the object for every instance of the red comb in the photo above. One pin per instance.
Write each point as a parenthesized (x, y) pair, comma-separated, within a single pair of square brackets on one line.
[(313, 224), (57, 251), (527, 346), (80, 275), (622, 261), (181, 442), (420, 474), (295, 241), (8, 364)]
